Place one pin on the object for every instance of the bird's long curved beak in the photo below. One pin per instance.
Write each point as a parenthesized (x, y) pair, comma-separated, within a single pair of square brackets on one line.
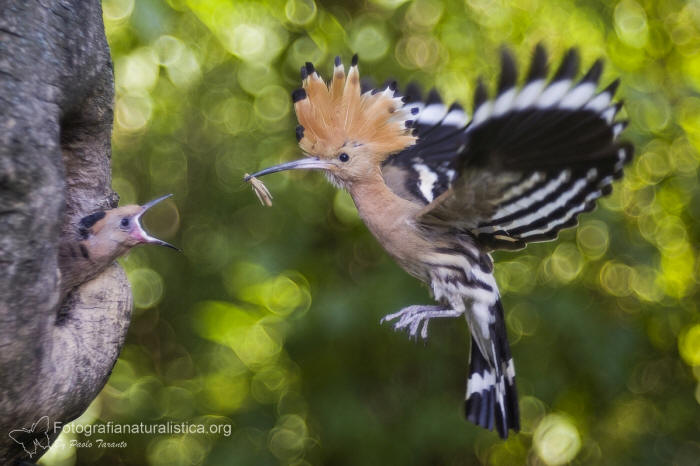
[(150, 204), (144, 236), (308, 163)]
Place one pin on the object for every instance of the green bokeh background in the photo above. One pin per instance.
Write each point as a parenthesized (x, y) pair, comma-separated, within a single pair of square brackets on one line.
[(269, 320)]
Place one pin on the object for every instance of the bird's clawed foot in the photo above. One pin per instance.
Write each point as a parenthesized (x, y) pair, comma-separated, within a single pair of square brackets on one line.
[(410, 318)]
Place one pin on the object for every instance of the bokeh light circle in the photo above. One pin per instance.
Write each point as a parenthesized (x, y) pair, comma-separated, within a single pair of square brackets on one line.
[(369, 40), (146, 286), (300, 12), (556, 440)]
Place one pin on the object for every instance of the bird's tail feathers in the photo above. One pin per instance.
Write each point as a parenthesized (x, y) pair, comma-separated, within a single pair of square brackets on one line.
[(492, 398)]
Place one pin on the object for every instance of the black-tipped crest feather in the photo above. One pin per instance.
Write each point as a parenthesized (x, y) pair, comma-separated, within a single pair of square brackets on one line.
[(298, 94), (89, 220)]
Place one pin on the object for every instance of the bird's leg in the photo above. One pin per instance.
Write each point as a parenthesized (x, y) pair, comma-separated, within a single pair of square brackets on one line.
[(411, 317)]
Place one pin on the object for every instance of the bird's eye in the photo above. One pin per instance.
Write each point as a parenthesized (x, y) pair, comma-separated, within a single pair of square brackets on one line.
[(344, 157), (125, 222)]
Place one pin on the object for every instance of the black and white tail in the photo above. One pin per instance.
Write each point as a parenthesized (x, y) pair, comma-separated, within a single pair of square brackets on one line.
[(492, 399)]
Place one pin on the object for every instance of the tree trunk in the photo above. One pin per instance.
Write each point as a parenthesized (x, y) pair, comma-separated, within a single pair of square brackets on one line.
[(56, 98)]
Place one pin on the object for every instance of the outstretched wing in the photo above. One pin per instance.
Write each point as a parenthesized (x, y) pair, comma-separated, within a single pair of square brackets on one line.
[(426, 169), (534, 157)]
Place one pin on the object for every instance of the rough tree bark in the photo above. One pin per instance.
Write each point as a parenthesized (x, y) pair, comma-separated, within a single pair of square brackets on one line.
[(56, 97)]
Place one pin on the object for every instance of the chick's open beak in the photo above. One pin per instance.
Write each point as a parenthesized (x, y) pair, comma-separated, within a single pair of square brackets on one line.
[(140, 233), (308, 163)]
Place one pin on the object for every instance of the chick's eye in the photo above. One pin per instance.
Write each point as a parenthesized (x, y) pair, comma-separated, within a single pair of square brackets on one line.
[(344, 157), (125, 222)]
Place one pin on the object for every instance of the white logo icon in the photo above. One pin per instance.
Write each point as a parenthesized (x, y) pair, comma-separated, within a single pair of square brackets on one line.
[(33, 438)]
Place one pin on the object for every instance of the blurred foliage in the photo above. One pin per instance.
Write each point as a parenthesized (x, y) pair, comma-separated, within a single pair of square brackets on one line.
[(269, 321)]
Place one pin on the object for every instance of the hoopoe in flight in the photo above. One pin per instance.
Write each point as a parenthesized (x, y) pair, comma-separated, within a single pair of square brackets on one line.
[(440, 191), (99, 239)]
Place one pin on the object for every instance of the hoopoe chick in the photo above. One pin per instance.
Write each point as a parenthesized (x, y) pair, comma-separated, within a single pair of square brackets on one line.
[(440, 191), (99, 239)]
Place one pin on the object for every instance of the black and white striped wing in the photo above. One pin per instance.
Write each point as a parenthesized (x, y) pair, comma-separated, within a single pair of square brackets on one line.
[(427, 169), (535, 157)]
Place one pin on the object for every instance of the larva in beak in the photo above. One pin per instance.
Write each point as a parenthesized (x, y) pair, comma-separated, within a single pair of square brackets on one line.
[(259, 189)]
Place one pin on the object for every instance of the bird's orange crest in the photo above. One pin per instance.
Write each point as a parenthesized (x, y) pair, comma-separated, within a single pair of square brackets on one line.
[(336, 114)]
